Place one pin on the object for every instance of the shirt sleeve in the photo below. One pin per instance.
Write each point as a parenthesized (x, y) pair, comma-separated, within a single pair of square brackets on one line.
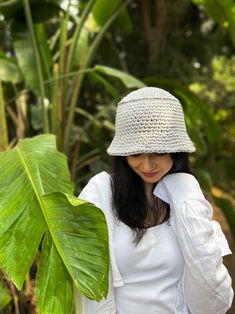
[(95, 193), (207, 284)]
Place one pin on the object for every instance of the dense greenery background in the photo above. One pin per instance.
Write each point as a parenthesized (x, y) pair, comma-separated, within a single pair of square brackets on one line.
[(65, 64)]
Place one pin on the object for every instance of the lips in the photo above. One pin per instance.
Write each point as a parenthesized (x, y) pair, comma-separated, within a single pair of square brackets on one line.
[(150, 174)]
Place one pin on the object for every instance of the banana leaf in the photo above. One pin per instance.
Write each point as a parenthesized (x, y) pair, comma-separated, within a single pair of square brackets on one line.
[(103, 9), (128, 80), (25, 54), (26, 57), (36, 203)]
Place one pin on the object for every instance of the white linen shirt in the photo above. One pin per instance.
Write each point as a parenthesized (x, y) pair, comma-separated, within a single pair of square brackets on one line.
[(150, 270), (205, 286)]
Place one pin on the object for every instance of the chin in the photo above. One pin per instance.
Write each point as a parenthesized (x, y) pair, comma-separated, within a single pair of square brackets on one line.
[(151, 180)]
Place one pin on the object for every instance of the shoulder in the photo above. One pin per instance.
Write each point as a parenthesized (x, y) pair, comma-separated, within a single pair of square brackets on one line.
[(178, 185), (97, 188), (103, 175), (101, 179), (98, 192), (181, 180)]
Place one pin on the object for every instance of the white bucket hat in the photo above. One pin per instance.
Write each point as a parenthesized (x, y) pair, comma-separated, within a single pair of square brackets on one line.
[(150, 120)]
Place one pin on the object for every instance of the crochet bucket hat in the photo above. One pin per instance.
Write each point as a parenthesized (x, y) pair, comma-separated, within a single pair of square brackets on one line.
[(150, 120)]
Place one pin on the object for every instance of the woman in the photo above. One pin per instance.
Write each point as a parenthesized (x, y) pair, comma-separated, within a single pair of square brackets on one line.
[(165, 250)]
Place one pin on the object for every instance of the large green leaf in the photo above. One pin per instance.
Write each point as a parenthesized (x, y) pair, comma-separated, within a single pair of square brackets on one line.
[(75, 248), (128, 80), (35, 201), (51, 270), (103, 9), (25, 54), (31, 169), (26, 57), (79, 232)]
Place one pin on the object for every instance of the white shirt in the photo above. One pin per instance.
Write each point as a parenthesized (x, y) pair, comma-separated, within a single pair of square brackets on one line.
[(150, 270), (205, 286)]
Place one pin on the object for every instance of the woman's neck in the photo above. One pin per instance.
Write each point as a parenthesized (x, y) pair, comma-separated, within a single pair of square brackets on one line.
[(148, 187)]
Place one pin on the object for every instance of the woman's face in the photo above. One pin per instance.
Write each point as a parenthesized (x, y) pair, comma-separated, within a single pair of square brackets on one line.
[(150, 167)]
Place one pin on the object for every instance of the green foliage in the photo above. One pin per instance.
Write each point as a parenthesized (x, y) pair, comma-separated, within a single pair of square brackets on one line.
[(216, 87), (228, 209), (15, 9), (197, 112), (5, 297), (54, 58), (9, 70), (104, 8), (204, 179), (128, 80), (37, 204), (221, 11), (85, 60), (25, 55), (46, 59)]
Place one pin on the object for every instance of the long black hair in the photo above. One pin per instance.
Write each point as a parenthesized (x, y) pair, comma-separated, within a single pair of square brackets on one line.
[(130, 203)]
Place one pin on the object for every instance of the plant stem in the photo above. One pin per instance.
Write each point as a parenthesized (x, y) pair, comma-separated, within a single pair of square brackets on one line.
[(78, 81), (3, 124), (62, 65), (14, 294), (55, 99), (75, 94), (59, 86), (98, 38), (38, 63), (77, 33), (52, 80)]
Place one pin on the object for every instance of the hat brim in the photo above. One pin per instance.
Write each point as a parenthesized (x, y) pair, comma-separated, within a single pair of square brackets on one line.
[(146, 143)]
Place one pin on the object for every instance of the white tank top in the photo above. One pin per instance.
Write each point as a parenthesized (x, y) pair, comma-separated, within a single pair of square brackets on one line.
[(150, 270)]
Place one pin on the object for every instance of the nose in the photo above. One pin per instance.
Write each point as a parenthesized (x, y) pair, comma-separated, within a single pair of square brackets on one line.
[(147, 164)]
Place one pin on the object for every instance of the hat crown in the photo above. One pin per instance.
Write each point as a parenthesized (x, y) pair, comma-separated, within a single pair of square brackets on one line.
[(149, 110), (148, 120), (148, 93)]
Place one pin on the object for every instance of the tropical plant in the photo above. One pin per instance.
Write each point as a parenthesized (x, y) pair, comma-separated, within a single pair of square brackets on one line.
[(222, 12), (52, 63), (52, 81), (37, 206), (5, 296), (45, 69)]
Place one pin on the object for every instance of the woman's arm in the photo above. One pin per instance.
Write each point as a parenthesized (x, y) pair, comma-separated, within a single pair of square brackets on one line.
[(207, 284), (97, 192)]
